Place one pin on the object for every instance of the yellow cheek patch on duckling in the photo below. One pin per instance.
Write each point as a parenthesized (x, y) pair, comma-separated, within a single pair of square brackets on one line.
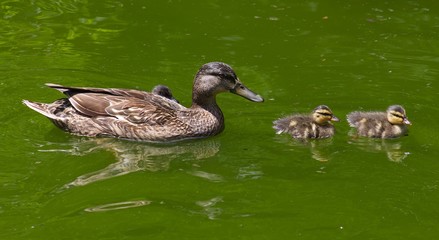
[(322, 117), (396, 117)]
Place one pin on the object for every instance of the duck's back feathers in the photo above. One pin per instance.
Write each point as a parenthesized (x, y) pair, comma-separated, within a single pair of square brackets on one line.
[(114, 116), (71, 91), (285, 124), (114, 112), (357, 118)]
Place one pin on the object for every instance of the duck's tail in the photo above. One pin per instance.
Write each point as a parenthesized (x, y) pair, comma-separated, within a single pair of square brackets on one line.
[(281, 125), (41, 108)]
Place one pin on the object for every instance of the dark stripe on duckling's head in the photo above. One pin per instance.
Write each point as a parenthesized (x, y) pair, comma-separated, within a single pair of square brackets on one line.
[(396, 115), (322, 114)]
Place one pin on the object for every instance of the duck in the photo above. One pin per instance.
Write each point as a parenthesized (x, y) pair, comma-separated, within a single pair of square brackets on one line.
[(164, 91), (303, 126), (144, 116), (390, 124)]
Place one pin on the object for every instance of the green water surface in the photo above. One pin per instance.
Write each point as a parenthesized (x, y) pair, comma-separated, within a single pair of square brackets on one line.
[(247, 182)]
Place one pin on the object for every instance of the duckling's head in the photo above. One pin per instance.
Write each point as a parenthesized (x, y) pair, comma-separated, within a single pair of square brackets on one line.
[(323, 115), (396, 115), (217, 77), (164, 91)]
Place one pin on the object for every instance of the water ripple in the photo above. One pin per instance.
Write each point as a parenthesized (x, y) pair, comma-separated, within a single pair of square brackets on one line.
[(118, 206)]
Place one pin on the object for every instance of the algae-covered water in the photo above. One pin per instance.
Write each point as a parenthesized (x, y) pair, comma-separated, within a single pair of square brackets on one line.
[(247, 182)]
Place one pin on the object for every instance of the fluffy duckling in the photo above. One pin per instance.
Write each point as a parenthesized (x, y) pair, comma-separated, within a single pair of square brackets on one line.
[(315, 125), (390, 124), (164, 91)]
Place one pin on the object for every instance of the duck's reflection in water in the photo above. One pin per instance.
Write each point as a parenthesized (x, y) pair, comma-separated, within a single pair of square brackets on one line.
[(210, 208), (392, 147), (319, 148), (136, 156)]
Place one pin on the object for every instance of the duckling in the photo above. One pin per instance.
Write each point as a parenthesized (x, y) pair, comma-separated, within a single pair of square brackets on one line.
[(390, 124), (144, 116), (164, 91), (315, 125)]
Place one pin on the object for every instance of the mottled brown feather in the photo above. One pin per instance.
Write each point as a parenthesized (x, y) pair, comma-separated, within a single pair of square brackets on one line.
[(138, 115)]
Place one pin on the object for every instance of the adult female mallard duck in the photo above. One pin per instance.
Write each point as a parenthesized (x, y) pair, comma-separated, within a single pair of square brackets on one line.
[(144, 116), (315, 125), (390, 124)]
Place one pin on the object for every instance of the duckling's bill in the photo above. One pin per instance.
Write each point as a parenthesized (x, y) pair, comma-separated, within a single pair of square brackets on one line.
[(335, 119), (243, 91)]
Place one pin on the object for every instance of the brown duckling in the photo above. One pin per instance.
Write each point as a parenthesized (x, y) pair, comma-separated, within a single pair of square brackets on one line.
[(164, 91), (315, 125), (144, 116), (390, 124)]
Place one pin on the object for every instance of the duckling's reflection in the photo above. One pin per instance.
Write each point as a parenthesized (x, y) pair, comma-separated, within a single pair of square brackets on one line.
[(392, 147), (319, 148), (135, 156)]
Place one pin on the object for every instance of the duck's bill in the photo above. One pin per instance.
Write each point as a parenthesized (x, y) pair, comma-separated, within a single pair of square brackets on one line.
[(243, 91), (406, 121), (335, 119)]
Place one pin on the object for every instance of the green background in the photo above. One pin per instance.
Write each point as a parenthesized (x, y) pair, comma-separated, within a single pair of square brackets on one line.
[(247, 182)]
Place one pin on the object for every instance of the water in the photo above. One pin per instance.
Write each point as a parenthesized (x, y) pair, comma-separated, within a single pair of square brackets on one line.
[(247, 182)]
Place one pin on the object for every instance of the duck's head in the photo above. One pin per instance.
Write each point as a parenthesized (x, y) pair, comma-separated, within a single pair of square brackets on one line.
[(396, 115), (323, 114), (217, 77), (164, 91)]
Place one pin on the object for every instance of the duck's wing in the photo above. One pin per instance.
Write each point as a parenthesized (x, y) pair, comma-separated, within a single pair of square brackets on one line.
[(71, 91), (154, 110)]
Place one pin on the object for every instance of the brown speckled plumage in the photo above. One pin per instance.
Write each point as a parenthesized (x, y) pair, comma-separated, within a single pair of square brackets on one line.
[(314, 125), (144, 116), (390, 124)]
